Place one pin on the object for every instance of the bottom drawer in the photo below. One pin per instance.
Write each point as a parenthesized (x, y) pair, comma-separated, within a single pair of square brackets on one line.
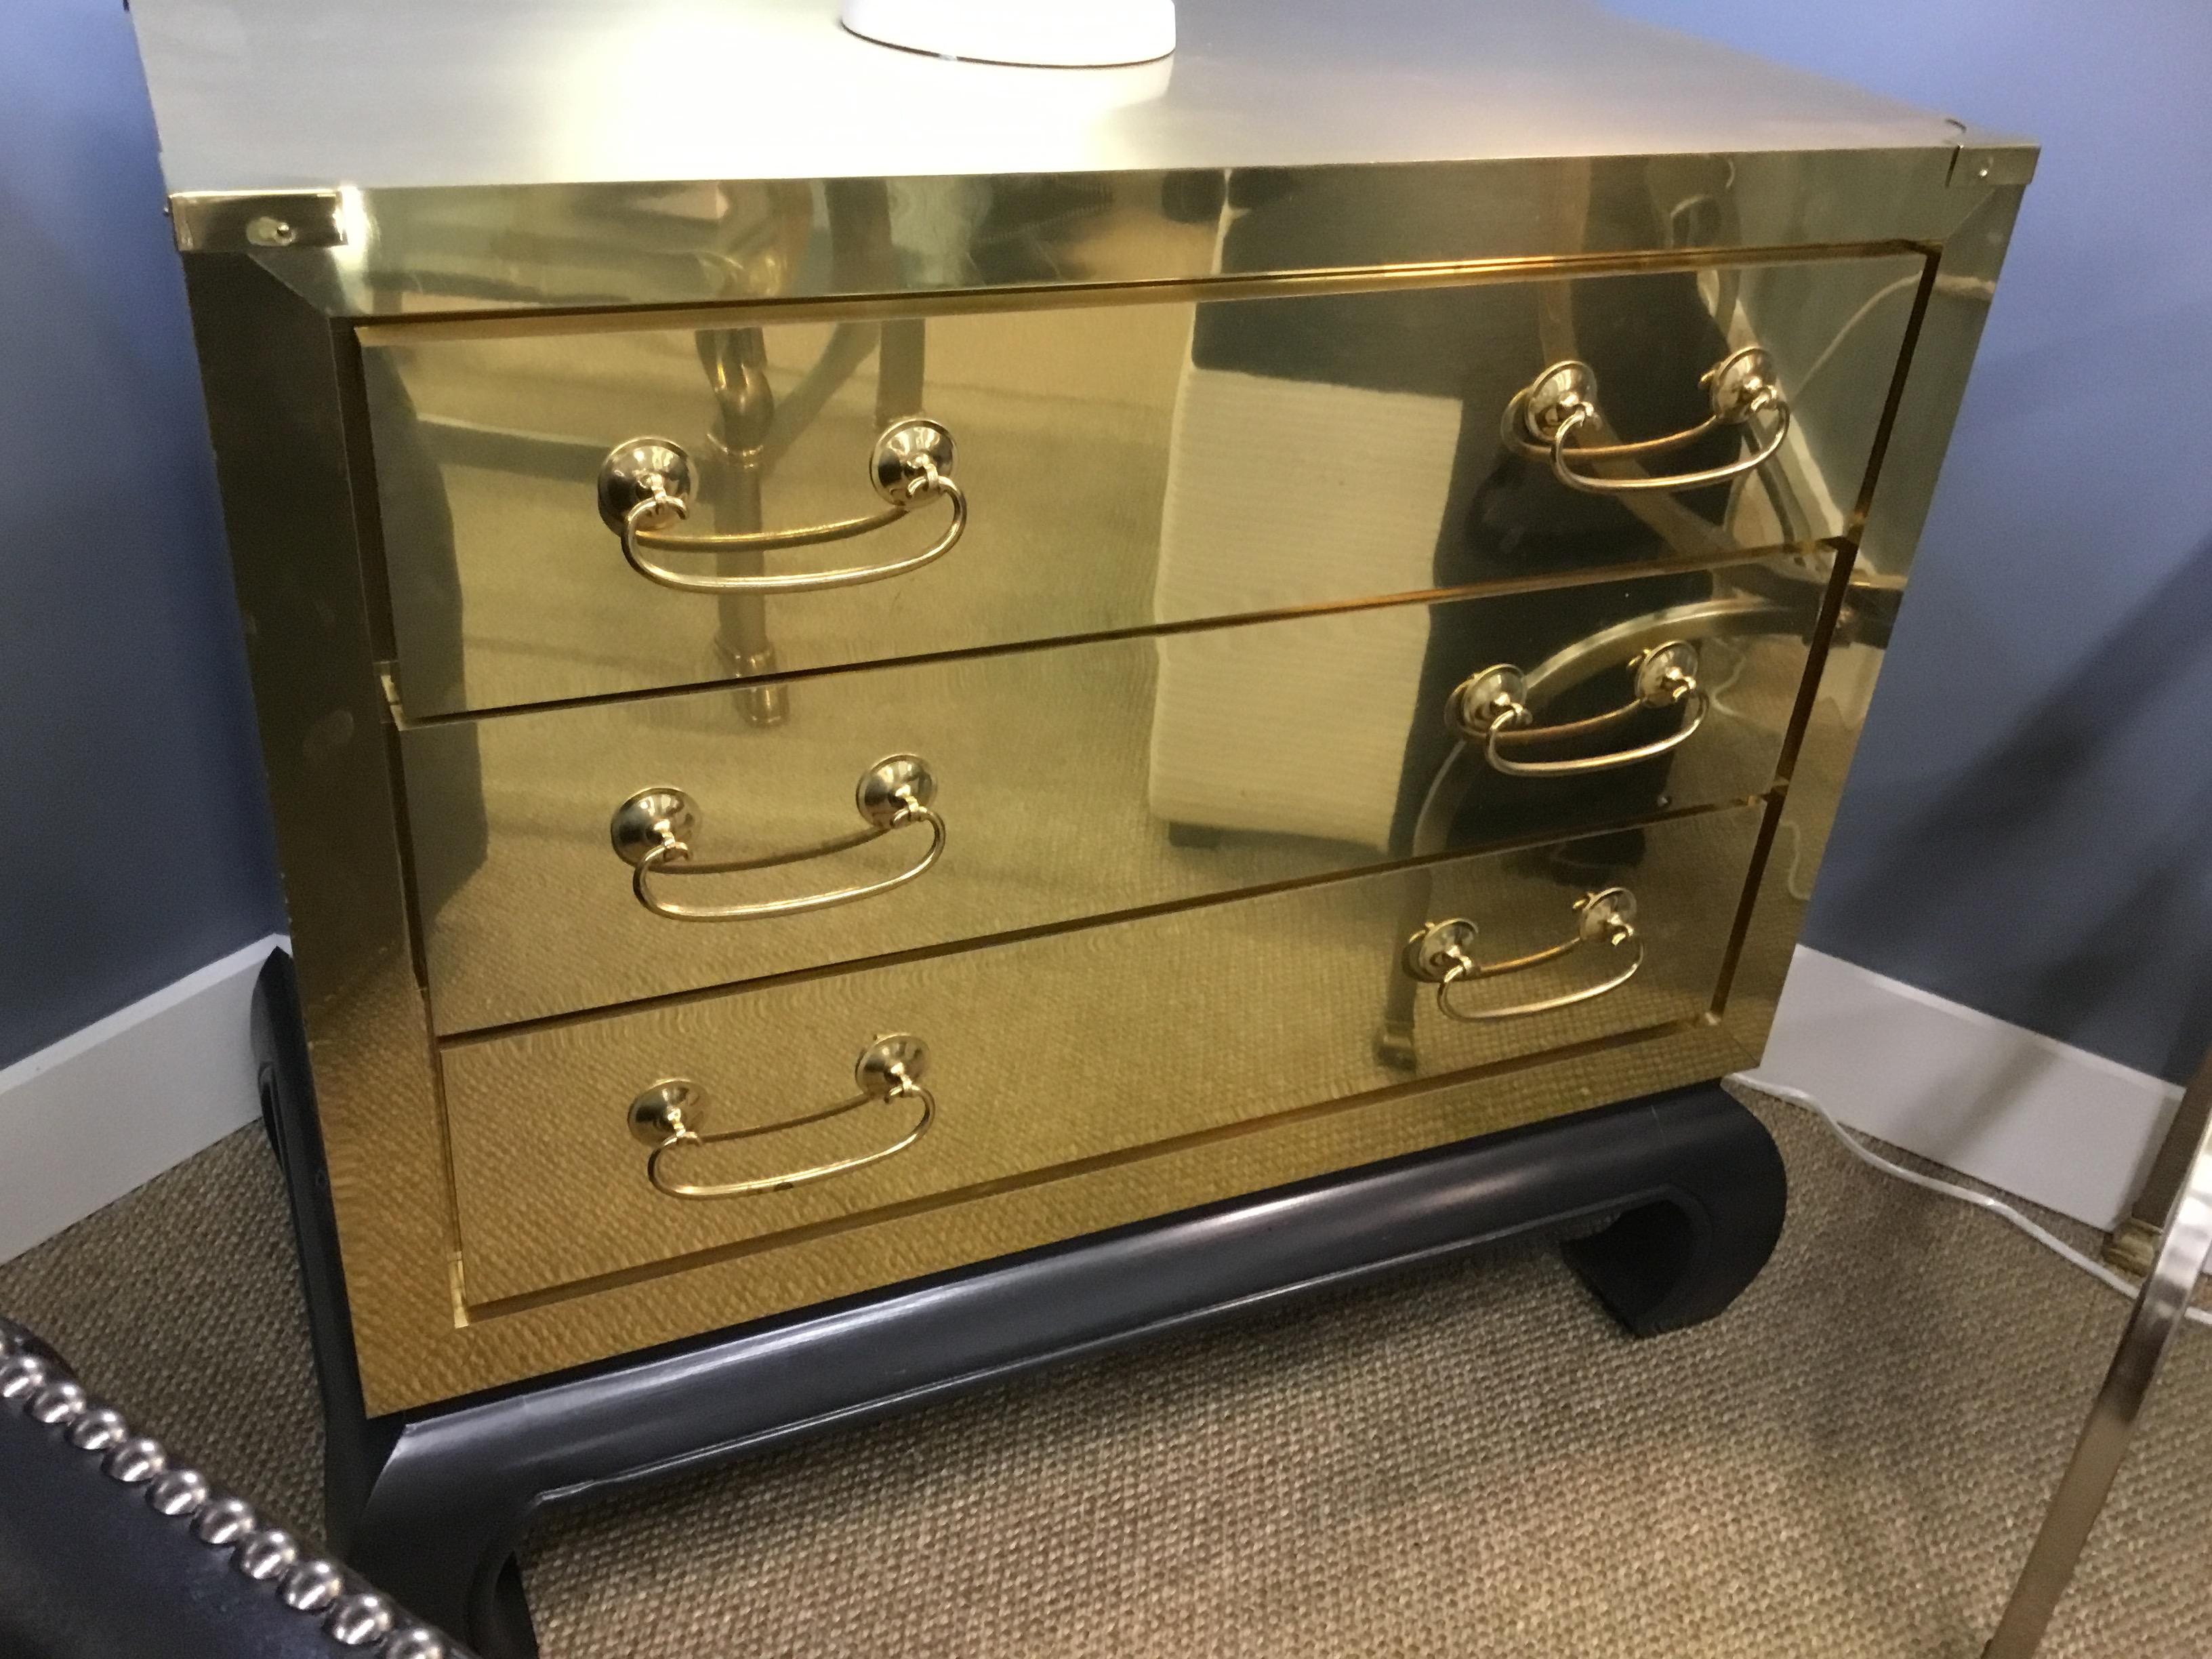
[(1056, 1052)]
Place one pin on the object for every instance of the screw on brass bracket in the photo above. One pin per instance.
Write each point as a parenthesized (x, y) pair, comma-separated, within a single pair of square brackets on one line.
[(256, 221)]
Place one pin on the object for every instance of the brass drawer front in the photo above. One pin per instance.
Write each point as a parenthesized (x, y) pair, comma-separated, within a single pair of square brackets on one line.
[(1119, 465), (1050, 1052), (1069, 782)]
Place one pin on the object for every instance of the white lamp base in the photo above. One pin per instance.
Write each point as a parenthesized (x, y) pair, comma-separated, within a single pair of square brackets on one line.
[(1055, 34)]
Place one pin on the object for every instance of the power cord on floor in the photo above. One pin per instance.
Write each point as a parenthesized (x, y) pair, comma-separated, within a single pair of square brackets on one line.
[(2096, 1270)]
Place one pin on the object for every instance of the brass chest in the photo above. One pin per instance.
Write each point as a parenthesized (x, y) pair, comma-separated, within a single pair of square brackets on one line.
[(947, 673)]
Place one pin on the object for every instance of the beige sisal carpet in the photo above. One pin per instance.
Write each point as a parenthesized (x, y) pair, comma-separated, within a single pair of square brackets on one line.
[(1465, 1461)]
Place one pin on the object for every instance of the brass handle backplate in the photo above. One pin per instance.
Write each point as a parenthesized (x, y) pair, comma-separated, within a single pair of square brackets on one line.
[(889, 1068), (1489, 708), (646, 485), (652, 831), (1560, 405), (1443, 954)]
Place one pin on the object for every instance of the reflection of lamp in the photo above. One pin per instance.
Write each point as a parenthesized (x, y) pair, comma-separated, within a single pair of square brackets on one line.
[(1063, 33)]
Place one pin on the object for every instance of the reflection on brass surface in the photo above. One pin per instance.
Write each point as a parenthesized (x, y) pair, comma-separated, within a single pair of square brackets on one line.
[(1189, 395), (1840, 683), (1139, 464), (528, 1335), (463, 251), (1045, 1052), (1080, 780)]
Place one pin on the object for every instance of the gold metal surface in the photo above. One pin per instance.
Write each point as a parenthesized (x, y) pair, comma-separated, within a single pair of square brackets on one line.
[(486, 1344), (424, 94), (467, 250), (1846, 661), (1083, 780), (1074, 287), (1047, 1052), (1142, 464)]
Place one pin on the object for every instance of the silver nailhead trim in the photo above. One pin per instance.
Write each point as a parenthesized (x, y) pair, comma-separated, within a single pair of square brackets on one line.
[(178, 1491), (267, 1555), (312, 1586), (98, 1428), (136, 1461), (359, 1620), (57, 1402), (225, 1521), (23, 1376), (364, 1620)]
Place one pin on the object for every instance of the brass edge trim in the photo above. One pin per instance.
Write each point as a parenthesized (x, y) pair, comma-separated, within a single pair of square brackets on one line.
[(1907, 345), (525, 1302), (1057, 296), (1809, 691), (1994, 163), (1734, 558), (1845, 551), (252, 221), (474, 1036)]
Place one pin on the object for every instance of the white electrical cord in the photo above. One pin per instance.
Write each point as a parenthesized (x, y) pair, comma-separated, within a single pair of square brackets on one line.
[(2096, 1270)]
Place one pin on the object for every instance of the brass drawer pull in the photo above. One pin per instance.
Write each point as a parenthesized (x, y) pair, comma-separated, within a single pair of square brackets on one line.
[(889, 1068), (646, 483), (1562, 402), (1488, 710), (651, 829), (1440, 955)]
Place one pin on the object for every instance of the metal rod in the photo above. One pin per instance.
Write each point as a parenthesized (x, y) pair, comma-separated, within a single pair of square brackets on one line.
[(2158, 1313), (2136, 1240)]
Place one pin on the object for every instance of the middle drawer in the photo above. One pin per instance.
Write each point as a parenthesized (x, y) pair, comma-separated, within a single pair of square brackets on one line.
[(579, 857)]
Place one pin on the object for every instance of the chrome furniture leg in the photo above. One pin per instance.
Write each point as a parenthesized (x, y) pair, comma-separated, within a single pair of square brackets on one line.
[(2159, 1310)]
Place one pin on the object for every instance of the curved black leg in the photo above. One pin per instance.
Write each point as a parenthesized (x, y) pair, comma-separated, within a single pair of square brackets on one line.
[(1685, 1254), (449, 1555)]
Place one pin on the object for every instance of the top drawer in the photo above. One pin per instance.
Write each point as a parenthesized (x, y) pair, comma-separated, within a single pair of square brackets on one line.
[(1118, 466)]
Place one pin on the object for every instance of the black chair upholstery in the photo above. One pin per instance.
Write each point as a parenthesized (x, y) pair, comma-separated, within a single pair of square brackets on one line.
[(108, 1551)]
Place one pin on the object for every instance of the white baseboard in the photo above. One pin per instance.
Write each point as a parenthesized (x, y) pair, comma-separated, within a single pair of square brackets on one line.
[(2055, 1124), (109, 1107)]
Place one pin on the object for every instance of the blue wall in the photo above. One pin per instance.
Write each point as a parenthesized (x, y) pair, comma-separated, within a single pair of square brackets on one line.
[(139, 848), (2028, 829)]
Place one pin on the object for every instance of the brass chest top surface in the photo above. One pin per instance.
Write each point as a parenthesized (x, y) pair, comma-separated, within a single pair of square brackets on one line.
[(261, 95)]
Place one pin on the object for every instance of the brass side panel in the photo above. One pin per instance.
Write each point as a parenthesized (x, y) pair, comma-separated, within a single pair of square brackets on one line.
[(1051, 1052), (1127, 464), (1839, 695), (1075, 781)]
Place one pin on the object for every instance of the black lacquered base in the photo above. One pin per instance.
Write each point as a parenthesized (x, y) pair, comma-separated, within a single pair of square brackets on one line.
[(1677, 1198)]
